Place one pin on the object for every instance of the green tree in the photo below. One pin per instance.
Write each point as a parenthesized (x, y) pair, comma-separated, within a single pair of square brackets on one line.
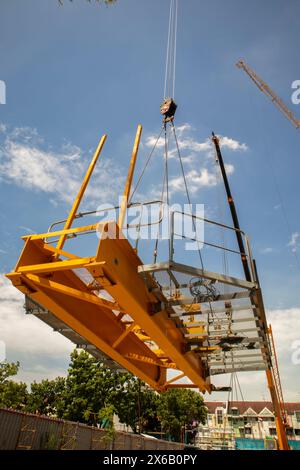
[(7, 370), (47, 397), (136, 405), (89, 386), (178, 409), (12, 394), (106, 417)]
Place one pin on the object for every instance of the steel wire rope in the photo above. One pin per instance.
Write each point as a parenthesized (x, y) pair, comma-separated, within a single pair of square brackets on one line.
[(146, 165), (170, 66), (193, 222)]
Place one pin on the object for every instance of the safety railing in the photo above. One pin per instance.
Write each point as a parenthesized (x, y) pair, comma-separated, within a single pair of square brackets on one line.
[(171, 216), (204, 242), (73, 233)]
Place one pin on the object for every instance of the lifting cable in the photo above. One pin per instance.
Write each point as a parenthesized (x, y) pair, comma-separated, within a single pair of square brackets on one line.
[(146, 165), (168, 109), (211, 312), (234, 389), (170, 68)]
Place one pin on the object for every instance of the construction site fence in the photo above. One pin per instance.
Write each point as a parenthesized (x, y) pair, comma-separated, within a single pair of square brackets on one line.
[(25, 431)]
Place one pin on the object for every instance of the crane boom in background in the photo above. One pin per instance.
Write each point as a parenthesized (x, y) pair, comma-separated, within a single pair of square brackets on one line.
[(268, 92)]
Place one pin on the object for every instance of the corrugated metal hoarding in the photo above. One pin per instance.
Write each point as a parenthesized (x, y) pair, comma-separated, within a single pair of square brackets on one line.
[(23, 431)]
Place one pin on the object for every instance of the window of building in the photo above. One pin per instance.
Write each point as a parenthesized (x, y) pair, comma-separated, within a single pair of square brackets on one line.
[(220, 416), (248, 431), (272, 431), (297, 414), (297, 432), (252, 419), (235, 412)]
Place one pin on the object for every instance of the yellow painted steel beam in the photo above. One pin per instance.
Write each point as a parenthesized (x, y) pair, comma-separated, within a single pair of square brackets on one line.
[(130, 291), (144, 337), (174, 379), (94, 318), (123, 335), (71, 292), (55, 251), (70, 231), (97, 324), (126, 194), (148, 360), (81, 192), (182, 386), (59, 266)]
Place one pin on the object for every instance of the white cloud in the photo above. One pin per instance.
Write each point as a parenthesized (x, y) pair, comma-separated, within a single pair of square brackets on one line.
[(26, 229), (28, 163), (2, 128), (187, 142), (286, 330), (197, 179), (190, 149), (293, 243), (151, 140), (25, 333), (267, 250), (232, 144), (38, 348)]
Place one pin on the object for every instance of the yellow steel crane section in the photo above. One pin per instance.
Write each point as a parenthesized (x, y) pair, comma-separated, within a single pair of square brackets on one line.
[(149, 318)]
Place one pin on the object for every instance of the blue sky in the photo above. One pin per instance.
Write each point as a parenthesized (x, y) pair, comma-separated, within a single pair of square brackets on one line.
[(77, 71)]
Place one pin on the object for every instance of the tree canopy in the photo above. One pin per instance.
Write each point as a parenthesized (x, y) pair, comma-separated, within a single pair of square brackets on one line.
[(92, 393), (12, 394), (179, 410)]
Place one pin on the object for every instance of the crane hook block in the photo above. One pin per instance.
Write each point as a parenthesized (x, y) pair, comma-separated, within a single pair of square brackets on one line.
[(168, 109)]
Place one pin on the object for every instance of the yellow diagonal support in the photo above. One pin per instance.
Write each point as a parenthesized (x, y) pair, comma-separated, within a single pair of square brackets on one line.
[(64, 253), (174, 379), (70, 291), (58, 266), (149, 360), (124, 334), (124, 202), (70, 231), (80, 194)]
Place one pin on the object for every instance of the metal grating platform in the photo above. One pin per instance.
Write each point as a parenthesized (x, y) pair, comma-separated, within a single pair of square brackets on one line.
[(222, 318), (54, 322)]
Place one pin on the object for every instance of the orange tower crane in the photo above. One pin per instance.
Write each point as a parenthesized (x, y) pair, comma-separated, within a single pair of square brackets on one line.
[(270, 93)]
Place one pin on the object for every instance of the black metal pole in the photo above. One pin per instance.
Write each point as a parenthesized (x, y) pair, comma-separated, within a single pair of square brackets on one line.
[(232, 209)]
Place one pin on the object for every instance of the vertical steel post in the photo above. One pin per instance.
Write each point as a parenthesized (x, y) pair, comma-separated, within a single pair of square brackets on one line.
[(80, 194), (232, 209), (126, 194)]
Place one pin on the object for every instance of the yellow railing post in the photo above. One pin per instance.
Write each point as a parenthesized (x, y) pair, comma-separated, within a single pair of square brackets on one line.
[(80, 194), (124, 202)]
